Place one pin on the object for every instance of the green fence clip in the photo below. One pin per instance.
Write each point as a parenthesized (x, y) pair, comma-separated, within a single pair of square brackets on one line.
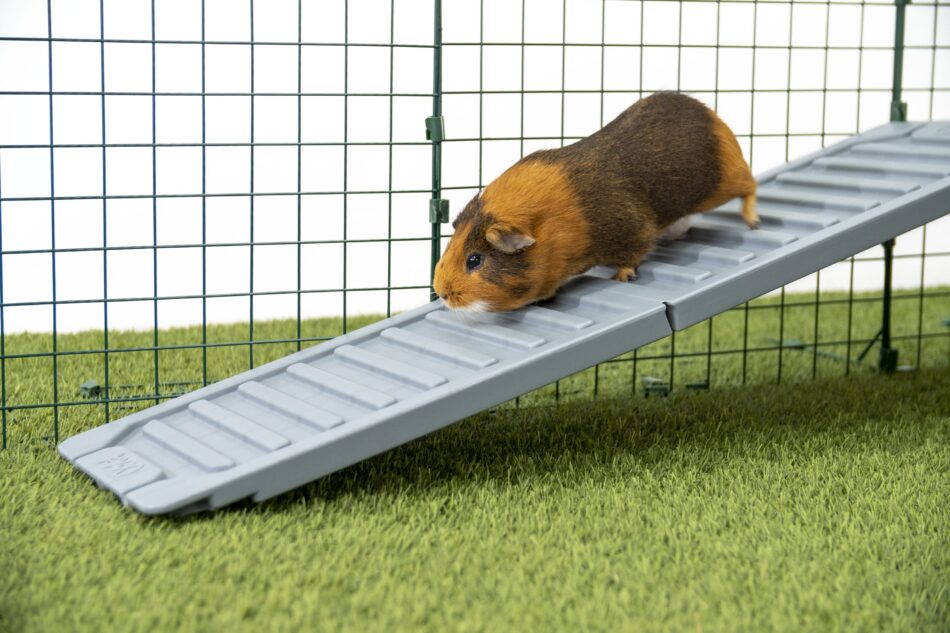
[(438, 211), (90, 389), (655, 386), (898, 111), (435, 128)]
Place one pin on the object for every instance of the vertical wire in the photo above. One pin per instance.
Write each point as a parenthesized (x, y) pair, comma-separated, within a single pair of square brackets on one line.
[(857, 121), (563, 64), (521, 129), (755, 39), (745, 342), (603, 30), (521, 91), (154, 221), (788, 84), (481, 87), (781, 336), (204, 212), (814, 353), (299, 168), (824, 77), (788, 117), (824, 102), (52, 211), (933, 63), (847, 366), (679, 64), (436, 227), (250, 298), (633, 368), (745, 329), (923, 250), (920, 294), (346, 152), (557, 384), (642, 14), (389, 195), (709, 333), (603, 49), (105, 233)]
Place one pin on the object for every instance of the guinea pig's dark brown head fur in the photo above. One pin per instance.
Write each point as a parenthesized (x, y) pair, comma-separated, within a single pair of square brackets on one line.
[(516, 242)]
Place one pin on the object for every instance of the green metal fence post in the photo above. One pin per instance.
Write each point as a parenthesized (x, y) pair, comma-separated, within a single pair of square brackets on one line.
[(898, 107), (435, 132), (887, 361)]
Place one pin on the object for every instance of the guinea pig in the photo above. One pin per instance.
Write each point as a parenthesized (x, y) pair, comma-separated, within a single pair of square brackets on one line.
[(604, 200)]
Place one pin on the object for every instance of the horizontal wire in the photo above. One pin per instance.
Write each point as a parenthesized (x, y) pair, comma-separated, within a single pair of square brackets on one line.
[(146, 93), (247, 144), (161, 348), (898, 295), (149, 247), (422, 95), (256, 194), (366, 240), (224, 295), (109, 40), (749, 91), (337, 192), (640, 358), (222, 144), (774, 348), (782, 47), (529, 44)]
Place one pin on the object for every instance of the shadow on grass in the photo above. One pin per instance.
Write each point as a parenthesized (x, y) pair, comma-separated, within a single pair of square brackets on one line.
[(705, 430)]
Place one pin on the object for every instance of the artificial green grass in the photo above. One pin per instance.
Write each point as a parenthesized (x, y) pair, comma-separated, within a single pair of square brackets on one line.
[(816, 505)]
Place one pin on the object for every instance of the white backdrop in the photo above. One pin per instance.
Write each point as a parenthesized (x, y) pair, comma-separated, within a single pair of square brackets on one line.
[(856, 69)]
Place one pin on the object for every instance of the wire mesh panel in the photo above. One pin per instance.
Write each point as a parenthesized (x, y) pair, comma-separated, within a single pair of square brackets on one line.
[(168, 167), (788, 77), (190, 189)]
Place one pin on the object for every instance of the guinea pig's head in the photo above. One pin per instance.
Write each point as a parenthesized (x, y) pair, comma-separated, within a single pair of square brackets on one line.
[(512, 243), (485, 267)]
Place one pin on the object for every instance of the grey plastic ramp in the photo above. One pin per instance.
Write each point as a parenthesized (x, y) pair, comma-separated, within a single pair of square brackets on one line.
[(291, 421)]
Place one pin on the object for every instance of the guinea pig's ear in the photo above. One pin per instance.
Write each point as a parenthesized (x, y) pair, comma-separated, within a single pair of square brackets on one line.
[(507, 239)]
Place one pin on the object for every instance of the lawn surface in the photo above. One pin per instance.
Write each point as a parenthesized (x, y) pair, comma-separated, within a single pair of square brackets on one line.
[(808, 506)]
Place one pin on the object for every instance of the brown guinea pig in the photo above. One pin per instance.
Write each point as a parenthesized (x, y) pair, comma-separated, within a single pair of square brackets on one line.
[(602, 201)]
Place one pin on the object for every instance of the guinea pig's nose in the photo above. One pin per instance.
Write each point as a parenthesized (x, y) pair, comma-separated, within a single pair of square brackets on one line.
[(443, 296)]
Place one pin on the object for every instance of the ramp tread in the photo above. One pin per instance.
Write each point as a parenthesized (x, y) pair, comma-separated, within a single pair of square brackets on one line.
[(186, 446), (835, 181), (391, 368), (489, 332), (883, 166), (815, 200), (238, 425), (290, 406), (341, 387), (443, 351)]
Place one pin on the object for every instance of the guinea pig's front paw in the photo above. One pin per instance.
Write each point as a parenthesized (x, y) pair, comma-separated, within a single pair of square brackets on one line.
[(626, 273)]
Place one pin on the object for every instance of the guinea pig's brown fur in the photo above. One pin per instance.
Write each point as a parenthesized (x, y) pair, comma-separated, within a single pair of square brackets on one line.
[(601, 201)]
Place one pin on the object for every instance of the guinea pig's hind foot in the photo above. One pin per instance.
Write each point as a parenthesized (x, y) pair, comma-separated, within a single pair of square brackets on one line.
[(626, 273), (748, 212)]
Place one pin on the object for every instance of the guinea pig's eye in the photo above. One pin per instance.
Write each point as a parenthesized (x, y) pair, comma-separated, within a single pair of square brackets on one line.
[(474, 261)]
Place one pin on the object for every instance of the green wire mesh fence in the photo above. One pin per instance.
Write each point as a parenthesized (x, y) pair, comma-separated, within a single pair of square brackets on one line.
[(335, 177)]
